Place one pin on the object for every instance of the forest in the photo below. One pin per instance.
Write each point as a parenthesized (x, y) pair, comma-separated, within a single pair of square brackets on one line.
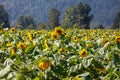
[(104, 11), (52, 45)]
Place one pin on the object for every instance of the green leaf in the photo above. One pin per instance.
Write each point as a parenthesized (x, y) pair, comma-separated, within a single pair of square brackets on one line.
[(37, 78), (97, 64), (30, 48), (20, 77), (84, 74), (118, 45), (86, 62), (8, 62), (5, 71), (116, 59)]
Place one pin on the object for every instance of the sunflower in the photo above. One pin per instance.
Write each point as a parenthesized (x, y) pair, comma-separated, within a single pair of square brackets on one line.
[(67, 36), (30, 37), (75, 38), (84, 38), (117, 38), (55, 36), (21, 45), (1, 31), (43, 31), (83, 53), (77, 78), (12, 30), (89, 45), (61, 50), (9, 44), (59, 31), (105, 41), (44, 65), (12, 51), (46, 45)]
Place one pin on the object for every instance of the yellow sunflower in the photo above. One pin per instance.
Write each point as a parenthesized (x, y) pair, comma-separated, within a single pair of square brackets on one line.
[(75, 39), (117, 38), (89, 45), (59, 31), (12, 30), (83, 53), (55, 36), (77, 78), (21, 45), (1, 31), (9, 44), (61, 50), (30, 36), (105, 41), (46, 45), (12, 51), (44, 65)]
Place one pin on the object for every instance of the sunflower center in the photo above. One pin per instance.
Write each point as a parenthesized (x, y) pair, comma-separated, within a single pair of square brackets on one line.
[(59, 31), (55, 36)]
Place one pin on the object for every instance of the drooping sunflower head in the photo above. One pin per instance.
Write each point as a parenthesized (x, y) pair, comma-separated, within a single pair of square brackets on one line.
[(46, 45), (59, 31), (83, 53), (105, 41), (55, 36), (44, 63), (102, 69), (12, 51), (61, 50)]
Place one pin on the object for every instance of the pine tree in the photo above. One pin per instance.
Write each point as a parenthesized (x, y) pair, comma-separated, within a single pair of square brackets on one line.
[(100, 26), (27, 22), (78, 15), (53, 19), (4, 17), (116, 22)]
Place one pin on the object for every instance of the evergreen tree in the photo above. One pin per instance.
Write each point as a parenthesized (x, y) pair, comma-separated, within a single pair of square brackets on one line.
[(100, 26), (69, 17), (116, 22), (4, 17), (41, 26), (53, 19), (78, 15), (27, 22)]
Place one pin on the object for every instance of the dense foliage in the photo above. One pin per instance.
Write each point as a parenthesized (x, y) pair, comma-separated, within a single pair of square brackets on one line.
[(77, 15), (103, 10), (116, 23), (53, 18), (26, 22), (4, 17), (59, 54)]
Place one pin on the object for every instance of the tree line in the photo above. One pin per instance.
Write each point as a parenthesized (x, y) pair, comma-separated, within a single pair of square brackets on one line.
[(74, 16)]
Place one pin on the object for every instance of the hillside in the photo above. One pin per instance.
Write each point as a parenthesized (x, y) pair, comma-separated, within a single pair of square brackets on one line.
[(104, 11)]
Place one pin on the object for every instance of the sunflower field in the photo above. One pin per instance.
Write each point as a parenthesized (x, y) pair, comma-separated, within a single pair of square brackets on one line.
[(60, 54)]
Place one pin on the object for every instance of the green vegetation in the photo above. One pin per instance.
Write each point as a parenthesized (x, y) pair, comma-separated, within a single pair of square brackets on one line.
[(60, 54), (4, 17), (104, 11), (78, 15)]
